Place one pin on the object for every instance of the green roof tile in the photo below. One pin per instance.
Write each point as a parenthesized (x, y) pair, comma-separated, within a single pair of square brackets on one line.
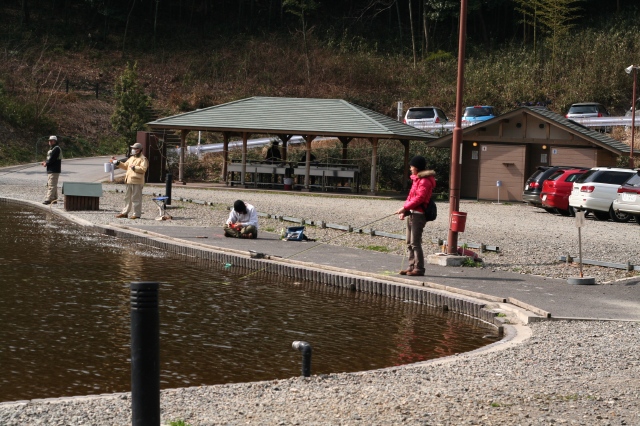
[(298, 116)]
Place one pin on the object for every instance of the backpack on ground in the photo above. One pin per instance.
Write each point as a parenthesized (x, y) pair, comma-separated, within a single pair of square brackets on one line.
[(296, 233)]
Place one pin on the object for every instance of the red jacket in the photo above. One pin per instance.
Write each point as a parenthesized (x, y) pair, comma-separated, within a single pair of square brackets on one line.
[(421, 190)]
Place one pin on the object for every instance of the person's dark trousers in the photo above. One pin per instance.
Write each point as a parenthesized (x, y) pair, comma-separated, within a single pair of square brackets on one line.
[(415, 226), (247, 232)]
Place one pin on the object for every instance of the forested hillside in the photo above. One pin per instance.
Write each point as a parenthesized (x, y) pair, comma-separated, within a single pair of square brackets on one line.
[(60, 59)]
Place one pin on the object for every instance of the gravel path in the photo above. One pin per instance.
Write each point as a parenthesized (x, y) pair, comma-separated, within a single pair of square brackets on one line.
[(584, 373)]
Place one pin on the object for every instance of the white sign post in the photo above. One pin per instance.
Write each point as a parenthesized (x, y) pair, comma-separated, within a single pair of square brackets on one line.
[(498, 184), (579, 225), (580, 222)]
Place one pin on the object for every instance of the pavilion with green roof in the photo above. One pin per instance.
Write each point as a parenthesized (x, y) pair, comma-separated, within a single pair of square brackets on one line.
[(286, 117)]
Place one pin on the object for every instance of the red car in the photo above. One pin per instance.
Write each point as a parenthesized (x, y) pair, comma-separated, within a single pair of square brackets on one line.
[(557, 188)]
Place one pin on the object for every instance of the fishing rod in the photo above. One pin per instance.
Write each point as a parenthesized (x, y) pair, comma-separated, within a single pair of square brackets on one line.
[(317, 245)]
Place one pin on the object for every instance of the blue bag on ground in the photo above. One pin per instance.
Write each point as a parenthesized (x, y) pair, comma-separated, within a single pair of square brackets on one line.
[(295, 233)]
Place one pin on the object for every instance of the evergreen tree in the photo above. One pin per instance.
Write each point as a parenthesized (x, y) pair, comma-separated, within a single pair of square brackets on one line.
[(132, 105)]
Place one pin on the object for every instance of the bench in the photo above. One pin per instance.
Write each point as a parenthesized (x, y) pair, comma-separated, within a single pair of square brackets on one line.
[(81, 195)]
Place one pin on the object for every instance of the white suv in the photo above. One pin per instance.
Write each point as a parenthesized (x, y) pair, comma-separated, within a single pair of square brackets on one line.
[(421, 116), (595, 191)]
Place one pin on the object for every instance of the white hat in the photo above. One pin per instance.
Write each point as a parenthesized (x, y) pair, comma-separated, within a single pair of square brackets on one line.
[(53, 138), (136, 145)]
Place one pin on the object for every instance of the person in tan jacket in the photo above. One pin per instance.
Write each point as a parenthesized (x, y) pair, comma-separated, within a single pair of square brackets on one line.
[(136, 167)]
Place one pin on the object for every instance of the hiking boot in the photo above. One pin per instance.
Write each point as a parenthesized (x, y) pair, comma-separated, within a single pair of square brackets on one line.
[(415, 273), (121, 215), (46, 202), (134, 217), (405, 271)]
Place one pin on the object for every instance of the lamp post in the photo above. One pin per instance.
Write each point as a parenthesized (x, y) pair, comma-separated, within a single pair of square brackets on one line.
[(628, 70), (454, 179)]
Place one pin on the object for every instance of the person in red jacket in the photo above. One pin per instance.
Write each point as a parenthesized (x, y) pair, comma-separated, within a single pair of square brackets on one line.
[(423, 182)]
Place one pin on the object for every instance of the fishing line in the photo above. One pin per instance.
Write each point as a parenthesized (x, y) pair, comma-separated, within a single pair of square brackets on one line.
[(317, 245), (19, 169)]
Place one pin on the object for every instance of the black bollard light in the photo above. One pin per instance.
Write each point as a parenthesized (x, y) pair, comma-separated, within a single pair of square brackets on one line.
[(305, 348), (167, 189), (145, 354)]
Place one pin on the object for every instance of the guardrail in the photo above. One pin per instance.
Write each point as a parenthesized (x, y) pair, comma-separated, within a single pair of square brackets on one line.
[(587, 122), (625, 266)]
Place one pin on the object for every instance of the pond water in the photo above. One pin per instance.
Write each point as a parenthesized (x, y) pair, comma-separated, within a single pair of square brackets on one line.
[(65, 315)]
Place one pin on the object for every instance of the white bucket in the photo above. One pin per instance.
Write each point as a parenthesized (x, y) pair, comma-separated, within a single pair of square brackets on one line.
[(108, 167)]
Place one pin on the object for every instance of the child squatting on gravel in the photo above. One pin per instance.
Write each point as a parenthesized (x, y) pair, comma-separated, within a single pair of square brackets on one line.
[(423, 182), (242, 222)]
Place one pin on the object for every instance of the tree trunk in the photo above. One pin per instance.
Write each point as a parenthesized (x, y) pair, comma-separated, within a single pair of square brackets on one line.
[(483, 29), (425, 29), (126, 27), (399, 21), (25, 18), (413, 37), (155, 24)]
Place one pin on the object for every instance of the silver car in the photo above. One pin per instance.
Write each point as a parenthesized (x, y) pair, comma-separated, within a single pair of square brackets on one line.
[(630, 112), (588, 110), (628, 199), (595, 191), (421, 116)]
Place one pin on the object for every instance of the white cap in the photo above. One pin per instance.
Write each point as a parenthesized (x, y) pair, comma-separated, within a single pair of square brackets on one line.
[(53, 138), (136, 145)]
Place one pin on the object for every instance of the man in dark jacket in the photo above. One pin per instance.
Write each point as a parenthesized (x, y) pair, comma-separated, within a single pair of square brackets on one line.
[(54, 167)]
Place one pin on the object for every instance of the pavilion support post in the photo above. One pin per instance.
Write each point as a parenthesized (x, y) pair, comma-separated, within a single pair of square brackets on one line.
[(345, 143), (244, 158), (225, 155), (183, 150), (405, 167), (307, 167), (374, 164), (285, 141)]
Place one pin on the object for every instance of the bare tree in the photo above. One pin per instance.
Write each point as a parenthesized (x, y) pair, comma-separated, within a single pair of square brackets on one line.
[(42, 85), (413, 37), (302, 9), (126, 27)]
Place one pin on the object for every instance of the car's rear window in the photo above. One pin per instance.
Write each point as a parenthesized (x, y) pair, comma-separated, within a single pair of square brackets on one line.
[(416, 114), (604, 176), (536, 175), (555, 175), (633, 181), (477, 112), (583, 109), (573, 177)]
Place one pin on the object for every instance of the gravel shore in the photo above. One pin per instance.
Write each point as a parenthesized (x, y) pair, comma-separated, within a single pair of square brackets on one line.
[(580, 372)]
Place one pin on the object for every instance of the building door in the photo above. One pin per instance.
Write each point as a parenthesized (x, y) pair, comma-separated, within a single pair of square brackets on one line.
[(503, 163)]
